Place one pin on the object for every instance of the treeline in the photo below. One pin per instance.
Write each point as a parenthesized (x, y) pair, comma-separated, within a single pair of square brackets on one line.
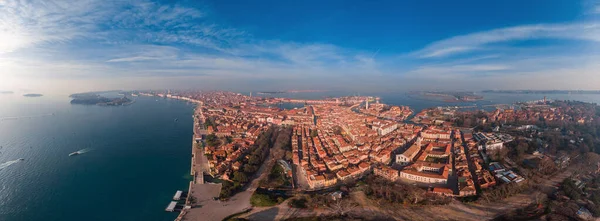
[(503, 191), (568, 201), (273, 137), (380, 189)]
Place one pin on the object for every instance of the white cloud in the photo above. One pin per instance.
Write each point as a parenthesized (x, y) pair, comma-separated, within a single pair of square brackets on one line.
[(28, 23), (469, 42), (446, 51), (101, 41)]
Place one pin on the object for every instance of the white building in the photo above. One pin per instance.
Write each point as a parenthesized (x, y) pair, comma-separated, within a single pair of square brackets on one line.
[(408, 155), (384, 130)]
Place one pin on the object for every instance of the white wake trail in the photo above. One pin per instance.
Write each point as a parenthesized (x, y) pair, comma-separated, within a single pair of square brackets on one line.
[(8, 163)]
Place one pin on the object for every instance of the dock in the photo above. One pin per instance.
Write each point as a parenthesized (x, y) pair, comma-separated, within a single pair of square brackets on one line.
[(171, 206), (177, 195)]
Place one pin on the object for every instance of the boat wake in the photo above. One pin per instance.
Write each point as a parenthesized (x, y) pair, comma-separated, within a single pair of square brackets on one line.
[(25, 117), (81, 151), (8, 163), (84, 150)]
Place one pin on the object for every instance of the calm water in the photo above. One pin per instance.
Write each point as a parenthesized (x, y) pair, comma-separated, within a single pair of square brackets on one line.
[(417, 104), (138, 157)]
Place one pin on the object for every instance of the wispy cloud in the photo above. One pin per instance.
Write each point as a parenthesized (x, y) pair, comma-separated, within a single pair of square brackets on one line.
[(146, 53), (479, 40), (446, 51), (27, 23), (148, 41)]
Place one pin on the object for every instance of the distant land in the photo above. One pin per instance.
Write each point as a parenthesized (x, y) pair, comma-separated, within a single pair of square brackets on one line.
[(447, 96), (271, 92), (6, 92), (91, 98), (289, 91), (543, 91), (32, 95)]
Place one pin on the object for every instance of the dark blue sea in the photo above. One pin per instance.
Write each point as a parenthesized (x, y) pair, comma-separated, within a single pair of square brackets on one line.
[(135, 157)]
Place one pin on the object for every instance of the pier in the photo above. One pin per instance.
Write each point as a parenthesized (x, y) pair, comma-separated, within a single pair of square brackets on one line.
[(177, 195), (171, 206)]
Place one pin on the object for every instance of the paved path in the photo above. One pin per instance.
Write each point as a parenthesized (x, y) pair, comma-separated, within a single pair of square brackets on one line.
[(217, 210)]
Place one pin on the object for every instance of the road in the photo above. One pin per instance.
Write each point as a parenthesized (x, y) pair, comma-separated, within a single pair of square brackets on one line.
[(217, 210)]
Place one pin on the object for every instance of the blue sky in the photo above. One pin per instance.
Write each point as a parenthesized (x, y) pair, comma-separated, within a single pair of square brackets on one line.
[(71, 46)]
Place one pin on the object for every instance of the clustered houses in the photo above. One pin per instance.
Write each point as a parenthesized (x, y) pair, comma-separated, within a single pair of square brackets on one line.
[(344, 145), (396, 113), (435, 116), (241, 119), (505, 175), (431, 158), (242, 127), (484, 177), (492, 141), (533, 112), (432, 166), (409, 155), (433, 133), (386, 172), (331, 143), (466, 185)]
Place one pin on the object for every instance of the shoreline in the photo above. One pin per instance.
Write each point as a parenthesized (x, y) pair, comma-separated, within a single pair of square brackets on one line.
[(187, 205), (184, 211), (203, 193)]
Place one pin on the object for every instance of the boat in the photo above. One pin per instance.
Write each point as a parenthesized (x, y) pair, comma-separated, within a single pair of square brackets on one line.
[(176, 119), (21, 159), (74, 153)]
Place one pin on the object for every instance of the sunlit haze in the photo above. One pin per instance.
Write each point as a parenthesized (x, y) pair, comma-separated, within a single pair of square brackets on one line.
[(73, 46)]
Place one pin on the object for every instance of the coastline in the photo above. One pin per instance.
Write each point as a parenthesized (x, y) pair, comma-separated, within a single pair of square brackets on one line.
[(201, 193), (116, 165), (198, 190), (193, 173)]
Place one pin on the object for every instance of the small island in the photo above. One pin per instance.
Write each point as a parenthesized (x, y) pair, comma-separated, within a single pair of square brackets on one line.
[(447, 96), (95, 99), (32, 95), (543, 91), (271, 92)]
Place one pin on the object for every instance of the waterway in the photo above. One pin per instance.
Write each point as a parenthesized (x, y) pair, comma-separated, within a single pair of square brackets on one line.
[(136, 157), (418, 103)]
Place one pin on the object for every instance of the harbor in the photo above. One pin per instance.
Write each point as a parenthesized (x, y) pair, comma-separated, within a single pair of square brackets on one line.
[(179, 202)]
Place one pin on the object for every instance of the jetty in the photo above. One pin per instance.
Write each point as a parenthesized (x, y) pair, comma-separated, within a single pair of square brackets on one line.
[(171, 206), (177, 195)]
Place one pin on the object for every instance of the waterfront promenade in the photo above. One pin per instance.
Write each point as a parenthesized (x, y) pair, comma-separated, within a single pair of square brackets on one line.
[(204, 206)]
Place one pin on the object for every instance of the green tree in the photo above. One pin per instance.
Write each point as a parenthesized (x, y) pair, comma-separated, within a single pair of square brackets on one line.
[(212, 140), (250, 169), (522, 147), (254, 159), (240, 177)]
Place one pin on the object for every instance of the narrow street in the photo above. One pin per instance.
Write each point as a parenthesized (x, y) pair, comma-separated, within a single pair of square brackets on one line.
[(472, 167)]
